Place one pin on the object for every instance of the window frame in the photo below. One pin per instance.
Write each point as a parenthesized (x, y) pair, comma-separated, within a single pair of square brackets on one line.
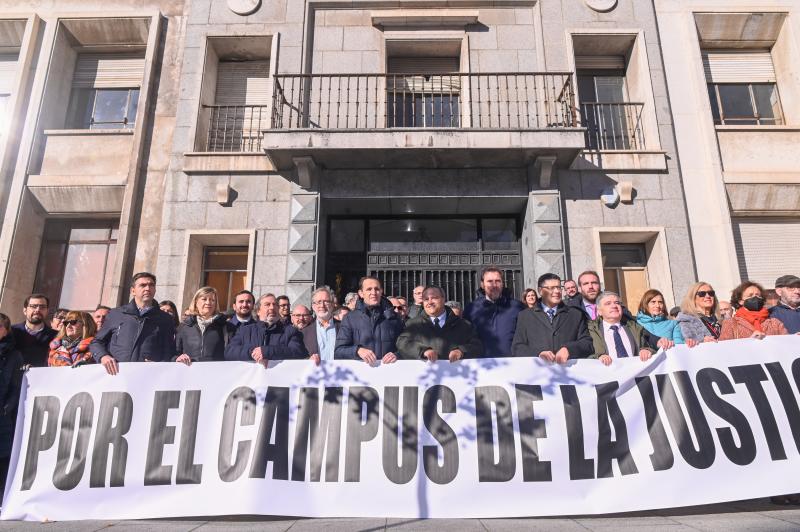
[(718, 115), (205, 270), (79, 112)]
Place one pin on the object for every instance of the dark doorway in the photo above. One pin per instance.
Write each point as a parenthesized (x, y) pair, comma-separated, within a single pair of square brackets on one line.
[(404, 252)]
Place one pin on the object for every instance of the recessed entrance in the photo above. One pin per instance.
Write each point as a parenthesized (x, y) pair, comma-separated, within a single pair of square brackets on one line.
[(404, 252)]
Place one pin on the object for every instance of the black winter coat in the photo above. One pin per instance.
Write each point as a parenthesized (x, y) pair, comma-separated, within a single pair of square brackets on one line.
[(35, 348), (375, 328), (207, 346), (278, 342), (129, 337), (535, 333), (421, 334), (10, 385)]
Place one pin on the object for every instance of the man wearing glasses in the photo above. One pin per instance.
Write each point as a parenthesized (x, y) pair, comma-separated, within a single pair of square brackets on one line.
[(33, 336), (551, 330), (285, 310), (320, 337), (301, 317)]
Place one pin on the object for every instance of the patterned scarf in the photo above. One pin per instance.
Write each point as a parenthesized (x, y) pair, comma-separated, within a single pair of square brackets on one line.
[(202, 324)]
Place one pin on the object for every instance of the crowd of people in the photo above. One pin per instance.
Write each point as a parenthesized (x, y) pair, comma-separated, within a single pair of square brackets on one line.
[(556, 322)]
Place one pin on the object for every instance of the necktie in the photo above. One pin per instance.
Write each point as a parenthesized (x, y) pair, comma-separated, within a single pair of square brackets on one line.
[(621, 352), (551, 313), (592, 310), (436, 322)]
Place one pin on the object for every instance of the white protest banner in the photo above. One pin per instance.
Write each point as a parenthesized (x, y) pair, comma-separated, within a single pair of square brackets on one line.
[(483, 438)]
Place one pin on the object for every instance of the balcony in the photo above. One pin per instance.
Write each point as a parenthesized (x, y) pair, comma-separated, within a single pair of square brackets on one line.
[(424, 120), (615, 139)]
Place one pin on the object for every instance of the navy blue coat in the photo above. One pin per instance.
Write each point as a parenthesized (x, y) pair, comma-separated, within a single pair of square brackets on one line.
[(495, 322), (10, 385), (129, 337), (375, 328), (278, 342), (788, 316)]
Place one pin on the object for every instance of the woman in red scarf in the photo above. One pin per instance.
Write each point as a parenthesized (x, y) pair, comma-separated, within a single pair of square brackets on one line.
[(751, 319)]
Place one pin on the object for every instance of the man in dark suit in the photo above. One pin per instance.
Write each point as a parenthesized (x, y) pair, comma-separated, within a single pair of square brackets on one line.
[(438, 333), (552, 330), (320, 336)]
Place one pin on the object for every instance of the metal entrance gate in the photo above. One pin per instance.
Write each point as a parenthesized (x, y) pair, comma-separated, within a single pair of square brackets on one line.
[(458, 274)]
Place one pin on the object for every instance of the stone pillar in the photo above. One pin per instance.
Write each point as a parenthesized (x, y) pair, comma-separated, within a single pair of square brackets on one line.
[(543, 236), (303, 235)]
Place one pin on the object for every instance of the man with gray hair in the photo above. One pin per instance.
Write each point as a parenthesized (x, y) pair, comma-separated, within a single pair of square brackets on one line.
[(614, 336), (351, 300), (320, 337), (455, 306)]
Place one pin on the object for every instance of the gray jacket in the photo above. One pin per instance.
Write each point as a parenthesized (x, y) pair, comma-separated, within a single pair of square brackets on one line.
[(692, 327)]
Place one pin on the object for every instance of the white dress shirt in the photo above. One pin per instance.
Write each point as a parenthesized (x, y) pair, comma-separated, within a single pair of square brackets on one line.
[(442, 317), (608, 335)]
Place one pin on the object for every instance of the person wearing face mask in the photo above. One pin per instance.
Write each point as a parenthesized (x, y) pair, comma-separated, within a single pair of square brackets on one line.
[(751, 319)]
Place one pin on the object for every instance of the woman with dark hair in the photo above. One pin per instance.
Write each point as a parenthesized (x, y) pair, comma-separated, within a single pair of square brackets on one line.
[(202, 337), (71, 345), (653, 317), (170, 308), (530, 298), (10, 385), (751, 318)]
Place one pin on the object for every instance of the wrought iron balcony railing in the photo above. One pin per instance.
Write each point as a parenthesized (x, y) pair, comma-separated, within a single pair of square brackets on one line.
[(379, 101), (613, 126), (235, 128)]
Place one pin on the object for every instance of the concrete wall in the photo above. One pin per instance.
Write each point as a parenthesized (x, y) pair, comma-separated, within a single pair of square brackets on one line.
[(130, 169), (711, 156)]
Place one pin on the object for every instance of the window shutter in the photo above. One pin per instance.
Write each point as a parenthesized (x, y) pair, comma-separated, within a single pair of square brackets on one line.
[(599, 62), (8, 69), (761, 258), (109, 71), (738, 67), (428, 67), (243, 83)]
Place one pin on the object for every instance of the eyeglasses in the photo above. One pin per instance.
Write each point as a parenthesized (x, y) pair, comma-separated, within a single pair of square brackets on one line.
[(73, 322), (283, 304), (39, 306), (323, 302), (704, 293), (301, 315), (552, 288)]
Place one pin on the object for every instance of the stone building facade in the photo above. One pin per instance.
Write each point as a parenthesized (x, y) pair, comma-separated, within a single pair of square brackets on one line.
[(318, 141), (732, 73)]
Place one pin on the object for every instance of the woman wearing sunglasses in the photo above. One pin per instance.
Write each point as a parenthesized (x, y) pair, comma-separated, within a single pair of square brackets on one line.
[(71, 345), (751, 318), (699, 315)]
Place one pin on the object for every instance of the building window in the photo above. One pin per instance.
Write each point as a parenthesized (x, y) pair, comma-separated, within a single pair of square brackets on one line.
[(745, 104), (105, 91), (625, 272), (76, 263), (742, 88), (105, 108), (611, 121), (225, 268), (423, 92)]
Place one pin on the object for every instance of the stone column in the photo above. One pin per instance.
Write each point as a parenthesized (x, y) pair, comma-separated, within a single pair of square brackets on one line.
[(543, 236), (303, 235)]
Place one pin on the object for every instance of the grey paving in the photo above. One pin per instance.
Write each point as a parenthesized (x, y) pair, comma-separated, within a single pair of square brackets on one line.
[(755, 515)]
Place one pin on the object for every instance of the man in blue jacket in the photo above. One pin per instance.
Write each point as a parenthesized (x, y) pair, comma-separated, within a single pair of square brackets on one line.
[(370, 332), (788, 310), (136, 332), (494, 314), (267, 339)]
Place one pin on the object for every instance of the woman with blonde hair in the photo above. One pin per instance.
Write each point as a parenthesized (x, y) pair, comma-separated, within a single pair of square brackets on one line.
[(203, 334), (751, 318), (699, 315), (71, 345)]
